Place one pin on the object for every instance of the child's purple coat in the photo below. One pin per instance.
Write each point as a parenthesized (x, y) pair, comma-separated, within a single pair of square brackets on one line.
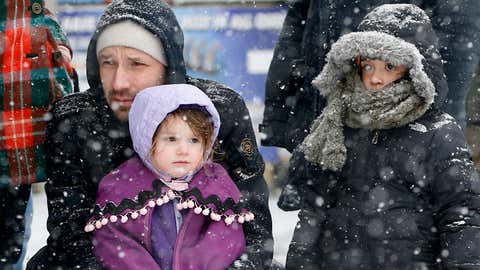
[(201, 242)]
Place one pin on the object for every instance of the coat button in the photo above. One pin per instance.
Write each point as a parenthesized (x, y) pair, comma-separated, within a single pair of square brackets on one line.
[(37, 8)]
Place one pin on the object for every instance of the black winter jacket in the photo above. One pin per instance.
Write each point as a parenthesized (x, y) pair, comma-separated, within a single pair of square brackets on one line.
[(473, 118), (85, 141), (308, 32), (409, 201), (407, 197)]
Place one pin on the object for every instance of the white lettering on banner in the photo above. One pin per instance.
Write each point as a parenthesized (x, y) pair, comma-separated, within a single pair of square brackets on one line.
[(263, 21), (241, 22), (269, 21), (195, 22), (85, 24), (220, 22)]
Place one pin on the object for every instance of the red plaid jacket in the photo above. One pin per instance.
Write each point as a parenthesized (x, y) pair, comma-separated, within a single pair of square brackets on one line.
[(33, 75)]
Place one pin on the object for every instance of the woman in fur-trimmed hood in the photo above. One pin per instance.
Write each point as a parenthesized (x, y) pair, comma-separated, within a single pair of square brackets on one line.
[(394, 186)]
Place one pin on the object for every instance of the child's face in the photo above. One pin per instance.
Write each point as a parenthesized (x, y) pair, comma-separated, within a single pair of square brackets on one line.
[(178, 151), (376, 74)]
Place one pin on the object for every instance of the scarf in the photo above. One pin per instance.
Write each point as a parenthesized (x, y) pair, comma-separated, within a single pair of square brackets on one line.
[(351, 104)]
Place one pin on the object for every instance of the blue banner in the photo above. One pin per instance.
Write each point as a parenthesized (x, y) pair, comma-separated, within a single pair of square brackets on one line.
[(231, 45)]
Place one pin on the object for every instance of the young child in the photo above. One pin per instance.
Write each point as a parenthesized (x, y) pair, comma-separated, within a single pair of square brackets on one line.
[(393, 185), (169, 207)]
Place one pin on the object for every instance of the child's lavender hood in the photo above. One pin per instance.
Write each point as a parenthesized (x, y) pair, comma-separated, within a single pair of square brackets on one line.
[(152, 105)]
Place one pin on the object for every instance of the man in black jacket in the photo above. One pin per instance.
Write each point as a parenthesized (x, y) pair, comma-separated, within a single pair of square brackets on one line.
[(88, 134)]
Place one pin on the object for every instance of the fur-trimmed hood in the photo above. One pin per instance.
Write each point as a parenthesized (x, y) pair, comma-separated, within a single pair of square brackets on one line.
[(388, 33), (398, 33)]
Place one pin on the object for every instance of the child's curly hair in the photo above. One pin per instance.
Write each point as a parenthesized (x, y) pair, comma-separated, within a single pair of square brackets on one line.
[(197, 119)]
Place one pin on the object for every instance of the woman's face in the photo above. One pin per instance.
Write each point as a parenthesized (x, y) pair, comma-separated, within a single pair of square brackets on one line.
[(376, 74)]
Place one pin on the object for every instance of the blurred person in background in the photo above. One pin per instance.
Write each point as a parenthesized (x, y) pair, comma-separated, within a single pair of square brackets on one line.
[(35, 56), (137, 44)]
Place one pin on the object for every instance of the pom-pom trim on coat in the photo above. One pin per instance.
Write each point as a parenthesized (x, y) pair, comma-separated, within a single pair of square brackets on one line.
[(193, 199)]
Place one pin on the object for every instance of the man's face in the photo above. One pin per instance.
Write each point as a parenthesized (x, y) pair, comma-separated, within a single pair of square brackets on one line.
[(376, 74), (124, 72)]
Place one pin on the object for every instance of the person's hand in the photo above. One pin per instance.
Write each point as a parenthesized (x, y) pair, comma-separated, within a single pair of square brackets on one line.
[(66, 55)]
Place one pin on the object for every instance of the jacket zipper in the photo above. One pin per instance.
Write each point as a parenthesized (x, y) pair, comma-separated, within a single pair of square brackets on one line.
[(180, 236)]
